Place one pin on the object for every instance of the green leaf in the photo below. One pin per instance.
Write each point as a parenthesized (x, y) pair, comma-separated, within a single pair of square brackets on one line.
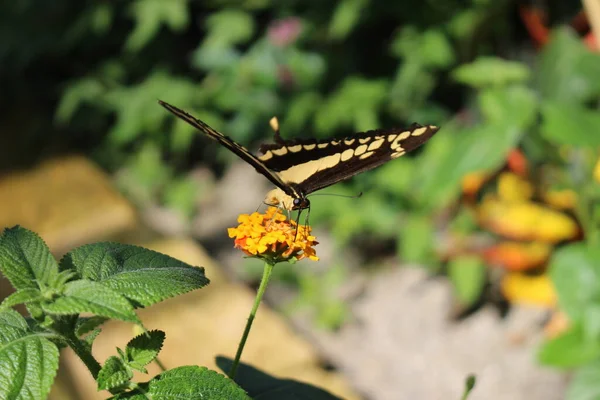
[(416, 241), (355, 104), (28, 363), (25, 259), (456, 151), (88, 324), (568, 71), (345, 17), (469, 386), (188, 382), (149, 15), (260, 385), (570, 124), (144, 348), (229, 27), (142, 275), (468, 276), (86, 296), (516, 104), (585, 384), (27, 295), (435, 49), (114, 374), (571, 349), (491, 71), (575, 273)]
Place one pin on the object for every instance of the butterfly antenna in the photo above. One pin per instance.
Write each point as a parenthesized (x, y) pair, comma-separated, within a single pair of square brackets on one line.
[(356, 196), (274, 122)]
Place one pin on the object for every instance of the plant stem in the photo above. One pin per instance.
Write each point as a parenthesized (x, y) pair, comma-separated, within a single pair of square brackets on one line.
[(86, 356), (259, 294)]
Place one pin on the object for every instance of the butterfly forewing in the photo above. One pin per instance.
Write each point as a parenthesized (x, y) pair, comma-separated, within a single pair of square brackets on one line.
[(239, 150)]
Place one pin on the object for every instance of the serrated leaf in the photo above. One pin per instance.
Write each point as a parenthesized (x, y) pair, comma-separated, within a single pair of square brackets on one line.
[(571, 349), (25, 259), (468, 277), (570, 124), (21, 296), (260, 385), (142, 275), (142, 349), (568, 71), (28, 363), (114, 374), (86, 296), (491, 71), (585, 384), (189, 382), (575, 273), (88, 324)]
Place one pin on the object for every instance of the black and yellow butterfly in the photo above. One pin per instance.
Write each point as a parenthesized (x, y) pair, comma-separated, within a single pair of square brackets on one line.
[(300, 167)]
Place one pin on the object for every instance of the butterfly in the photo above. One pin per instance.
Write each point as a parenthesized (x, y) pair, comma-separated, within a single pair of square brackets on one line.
[(301, 167)]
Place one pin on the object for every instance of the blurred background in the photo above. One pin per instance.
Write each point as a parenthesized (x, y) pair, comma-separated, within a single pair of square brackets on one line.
[(476, 254)]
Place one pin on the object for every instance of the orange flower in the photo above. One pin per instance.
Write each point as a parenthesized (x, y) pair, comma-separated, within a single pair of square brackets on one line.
[(270, 236)]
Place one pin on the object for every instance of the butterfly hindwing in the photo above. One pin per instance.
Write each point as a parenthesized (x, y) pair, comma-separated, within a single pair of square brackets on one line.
[(236, 148), (312, 165)]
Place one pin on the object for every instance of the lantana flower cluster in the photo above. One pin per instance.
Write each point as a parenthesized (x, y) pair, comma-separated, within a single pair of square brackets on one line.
[(272, 237)]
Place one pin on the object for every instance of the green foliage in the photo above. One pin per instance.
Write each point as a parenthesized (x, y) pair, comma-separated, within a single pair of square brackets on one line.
[(467, 274), (29, 360), (107, 280)]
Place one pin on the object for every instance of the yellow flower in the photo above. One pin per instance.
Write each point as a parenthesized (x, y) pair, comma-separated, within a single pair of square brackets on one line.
[(272, 237)]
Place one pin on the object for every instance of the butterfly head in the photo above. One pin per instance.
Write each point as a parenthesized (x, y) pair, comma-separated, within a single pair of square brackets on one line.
[(300, 203), (279, 198)]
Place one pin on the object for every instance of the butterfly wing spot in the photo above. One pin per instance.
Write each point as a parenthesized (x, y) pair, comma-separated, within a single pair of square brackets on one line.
[(364, 140), (295, 149), (280, 152), (391, 138), (420, 131), (398, 154), (267, 156), (349, 142), (375, 144), (347, 154), (322, 145), (309, 146), (366, 155), (396, 143), (360, 149), (335, 142)]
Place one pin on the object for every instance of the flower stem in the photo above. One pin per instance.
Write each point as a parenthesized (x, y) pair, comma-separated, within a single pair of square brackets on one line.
[(259, 294)]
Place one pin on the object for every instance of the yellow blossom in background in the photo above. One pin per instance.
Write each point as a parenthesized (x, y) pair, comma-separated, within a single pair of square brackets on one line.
[(532, 290), (526, 221), (271, 236), (565, 199), (512, 187), (472, 182)]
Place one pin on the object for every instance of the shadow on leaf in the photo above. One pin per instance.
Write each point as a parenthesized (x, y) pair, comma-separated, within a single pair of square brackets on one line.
[(260, 385)]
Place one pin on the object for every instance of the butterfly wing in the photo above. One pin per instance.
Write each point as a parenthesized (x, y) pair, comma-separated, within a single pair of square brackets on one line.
[(311, 165), (236, 148)]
